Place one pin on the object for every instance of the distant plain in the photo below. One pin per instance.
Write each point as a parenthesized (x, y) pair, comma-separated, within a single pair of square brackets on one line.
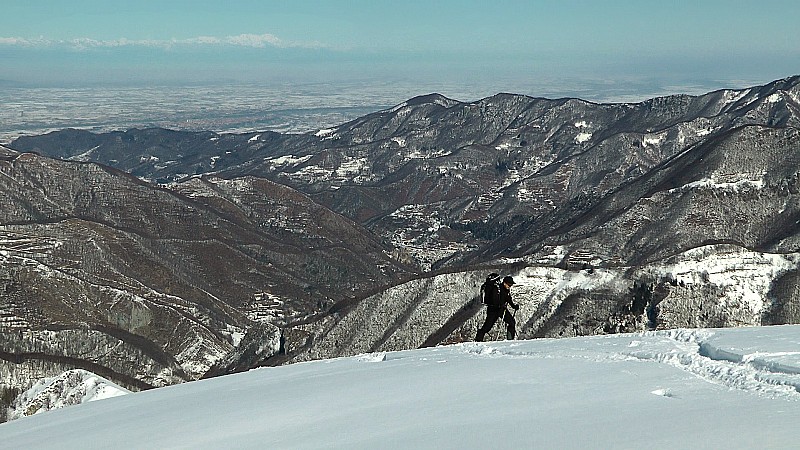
[(287, 108)]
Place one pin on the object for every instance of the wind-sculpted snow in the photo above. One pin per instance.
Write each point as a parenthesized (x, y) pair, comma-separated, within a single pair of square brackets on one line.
[(629, 391), (751, 359), (772, 370)]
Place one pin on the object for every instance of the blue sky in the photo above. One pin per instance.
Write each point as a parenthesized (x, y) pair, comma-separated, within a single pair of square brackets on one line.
[(503, 42)]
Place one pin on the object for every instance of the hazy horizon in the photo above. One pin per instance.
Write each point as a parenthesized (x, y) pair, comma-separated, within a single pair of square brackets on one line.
[(274, 65), (539, 48)]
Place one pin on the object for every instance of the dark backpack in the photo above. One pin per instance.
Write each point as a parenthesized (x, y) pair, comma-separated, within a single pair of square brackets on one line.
[(490, 290)]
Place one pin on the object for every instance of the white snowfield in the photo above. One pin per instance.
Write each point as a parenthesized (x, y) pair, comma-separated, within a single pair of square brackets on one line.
[(682, 389)]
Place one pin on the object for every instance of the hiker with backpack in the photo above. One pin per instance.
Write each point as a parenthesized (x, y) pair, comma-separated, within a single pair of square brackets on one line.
[(496, 295)]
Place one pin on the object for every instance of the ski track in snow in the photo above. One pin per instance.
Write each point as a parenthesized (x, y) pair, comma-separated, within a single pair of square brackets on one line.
[(774, 375), (697, 353)]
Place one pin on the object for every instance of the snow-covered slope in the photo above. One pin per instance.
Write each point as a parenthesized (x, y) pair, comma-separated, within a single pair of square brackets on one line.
[(704, 388)]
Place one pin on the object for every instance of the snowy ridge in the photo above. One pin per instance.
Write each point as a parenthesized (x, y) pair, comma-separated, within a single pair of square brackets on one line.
[(704, 387), (287, 161), (70, 388)]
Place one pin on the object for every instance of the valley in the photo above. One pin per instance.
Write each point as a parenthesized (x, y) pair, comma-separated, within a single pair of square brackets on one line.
[(154, 256)]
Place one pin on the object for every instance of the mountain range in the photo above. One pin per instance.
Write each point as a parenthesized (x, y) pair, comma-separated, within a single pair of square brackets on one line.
[(152, 256)]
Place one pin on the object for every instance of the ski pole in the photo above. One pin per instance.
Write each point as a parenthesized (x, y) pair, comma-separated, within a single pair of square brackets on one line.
[(497, 334), (513, 315), (503, 321)]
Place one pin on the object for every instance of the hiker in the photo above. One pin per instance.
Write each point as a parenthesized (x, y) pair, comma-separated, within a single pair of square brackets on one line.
[(496, 307)]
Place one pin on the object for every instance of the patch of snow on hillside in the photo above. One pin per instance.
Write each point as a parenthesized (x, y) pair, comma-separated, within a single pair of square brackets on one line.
[(735, 96), (287, 161), (691, 132), (512, 176), (708, 183), (557, 254), (325, 132), (444, 102), (775, 98), (795, 98), (417, 154), (719, 261), (236, 334), (653, 139), (534, 194), (311, 174), (254, 138), (503, 146), (399, 141), (570, 281), (525, 195), (85, 156), (351, 167), (399, 107), (266, 307), (542, 290), (198, 356), (582, 137)]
